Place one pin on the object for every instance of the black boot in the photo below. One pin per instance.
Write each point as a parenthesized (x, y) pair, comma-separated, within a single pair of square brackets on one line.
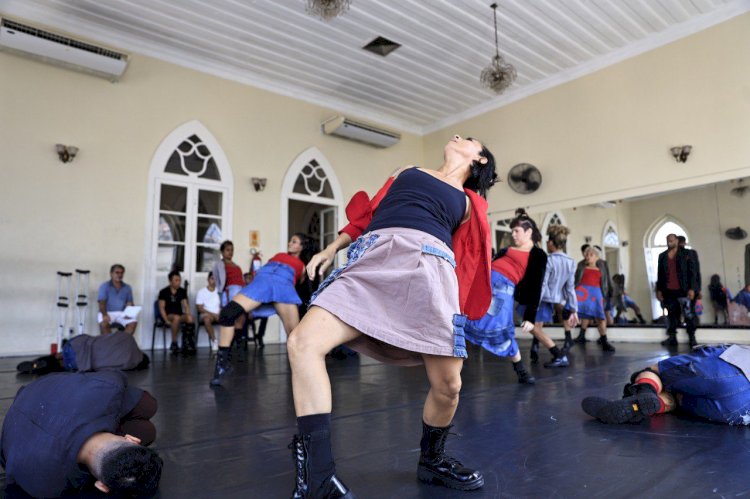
[(223, 366), (691, 340), (581, 338), (559, 359), (568, 343), (437, 468), (634, 408), (523, 375), (671, 340), (605, 344), (534, 352), (304, 486), (641, 320)]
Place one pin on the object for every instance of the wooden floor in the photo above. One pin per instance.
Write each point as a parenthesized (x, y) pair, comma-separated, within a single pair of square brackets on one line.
[(528, 441)]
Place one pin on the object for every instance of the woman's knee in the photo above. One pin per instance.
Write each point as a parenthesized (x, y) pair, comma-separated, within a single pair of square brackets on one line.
[(301, 344), (449, 388)]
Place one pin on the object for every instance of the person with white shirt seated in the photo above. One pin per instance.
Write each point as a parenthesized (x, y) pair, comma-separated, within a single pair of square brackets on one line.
[(114, 297), (208, 302)]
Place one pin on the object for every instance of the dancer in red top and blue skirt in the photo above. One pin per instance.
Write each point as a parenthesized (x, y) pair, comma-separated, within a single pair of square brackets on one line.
[(272, 291), (589, 284)]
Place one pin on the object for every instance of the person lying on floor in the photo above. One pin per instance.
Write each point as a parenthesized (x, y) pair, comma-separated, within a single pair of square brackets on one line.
[(711, 383), (65, 430), (116, 351)]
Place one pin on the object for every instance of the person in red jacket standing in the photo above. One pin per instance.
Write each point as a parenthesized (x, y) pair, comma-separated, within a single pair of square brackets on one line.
[(420, 262)]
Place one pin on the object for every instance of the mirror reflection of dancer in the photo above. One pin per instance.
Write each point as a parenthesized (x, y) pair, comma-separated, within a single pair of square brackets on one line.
[(274, 285), (229, 280), (558, 288), (517, 272), (399, 300), (711, 382), (591, 288)]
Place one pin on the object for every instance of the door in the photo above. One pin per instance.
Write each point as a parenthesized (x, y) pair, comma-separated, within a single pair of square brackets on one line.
[(329, 231)]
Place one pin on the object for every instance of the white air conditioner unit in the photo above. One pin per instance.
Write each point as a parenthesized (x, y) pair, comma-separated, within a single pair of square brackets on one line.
[(60, 50), (361, 132)]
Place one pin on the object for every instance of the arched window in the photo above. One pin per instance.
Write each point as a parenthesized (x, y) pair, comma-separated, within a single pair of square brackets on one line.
[(552, 218), (656, 243)]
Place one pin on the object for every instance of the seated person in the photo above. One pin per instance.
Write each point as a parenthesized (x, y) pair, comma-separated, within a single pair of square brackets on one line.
[(116, 351), (711, 382), (208, 303), (93, 428), (175, 311), (743, 297), (114, 296)]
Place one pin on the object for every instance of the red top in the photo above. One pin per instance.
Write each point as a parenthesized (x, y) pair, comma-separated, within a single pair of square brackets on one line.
[(292, 261), (512, 264), (234, 275), (472, 247), (591, 277), (672, 281)]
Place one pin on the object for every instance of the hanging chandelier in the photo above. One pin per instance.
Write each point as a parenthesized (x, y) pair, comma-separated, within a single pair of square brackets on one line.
[(327, 9), (499, 75)]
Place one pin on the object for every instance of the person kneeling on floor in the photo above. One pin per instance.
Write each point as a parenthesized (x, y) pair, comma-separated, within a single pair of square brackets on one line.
[(711, 383), (66, 429)]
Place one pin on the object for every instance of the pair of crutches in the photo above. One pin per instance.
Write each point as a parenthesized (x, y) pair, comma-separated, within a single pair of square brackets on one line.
[(64, 304)]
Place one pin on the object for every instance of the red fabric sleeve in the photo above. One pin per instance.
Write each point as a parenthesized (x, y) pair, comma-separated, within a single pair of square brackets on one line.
[(472, 247), (360, 209)]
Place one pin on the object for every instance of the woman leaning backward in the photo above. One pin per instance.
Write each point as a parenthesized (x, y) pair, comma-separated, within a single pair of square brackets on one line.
[(420, 261)]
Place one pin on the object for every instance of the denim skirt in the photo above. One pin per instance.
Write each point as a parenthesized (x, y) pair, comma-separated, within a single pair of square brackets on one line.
[(496, 331), (274, 283), (590, 302), (707, 386), (399, 288)]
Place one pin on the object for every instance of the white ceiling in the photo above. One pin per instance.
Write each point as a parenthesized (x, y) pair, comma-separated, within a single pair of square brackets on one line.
[(432, 81)]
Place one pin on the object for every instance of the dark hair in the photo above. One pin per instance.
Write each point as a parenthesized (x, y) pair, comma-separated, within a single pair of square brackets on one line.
[(309, 248), (585, 247), (681, 239), (172, 274), (483, 176), (132, 469), (526, 222), (210, 275), (715, 280), (225, 244), (598, 248), (115, 267), (558, 236)]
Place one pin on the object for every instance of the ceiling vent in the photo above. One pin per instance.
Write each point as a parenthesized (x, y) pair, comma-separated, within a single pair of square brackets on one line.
[(60, 50), (381, 46), (361, 132)]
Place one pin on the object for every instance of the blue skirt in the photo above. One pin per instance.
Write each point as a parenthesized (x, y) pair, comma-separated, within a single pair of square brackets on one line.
[(590, 302), (274, 283), (496, 332)]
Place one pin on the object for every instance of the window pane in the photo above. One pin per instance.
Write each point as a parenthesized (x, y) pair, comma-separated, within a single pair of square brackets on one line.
[(205, 258), (170, 257), (171, 227), (209, 231), (209, 203), (193, 163), (174, 165), (212, 171), (173, 198)]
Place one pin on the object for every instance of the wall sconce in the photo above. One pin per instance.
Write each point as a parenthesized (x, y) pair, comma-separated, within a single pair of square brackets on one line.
[(66, 153), (681, 153), (259, 184)]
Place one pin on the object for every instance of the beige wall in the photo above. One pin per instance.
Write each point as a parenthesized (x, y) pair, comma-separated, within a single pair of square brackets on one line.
[(607, 136), (91, 212)]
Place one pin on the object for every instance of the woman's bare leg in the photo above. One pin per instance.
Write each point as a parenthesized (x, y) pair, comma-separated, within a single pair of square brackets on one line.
[(307, 346), (289, 315), (226, 335), (539, 334), (444, 374)]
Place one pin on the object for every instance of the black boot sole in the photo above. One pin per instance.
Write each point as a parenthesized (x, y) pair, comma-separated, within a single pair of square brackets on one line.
[(427, 476), (628, 410)]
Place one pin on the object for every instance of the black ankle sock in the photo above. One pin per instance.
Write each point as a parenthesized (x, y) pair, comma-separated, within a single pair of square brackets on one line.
[(567, 334), (518, 367), (314, 422), (555, 352)]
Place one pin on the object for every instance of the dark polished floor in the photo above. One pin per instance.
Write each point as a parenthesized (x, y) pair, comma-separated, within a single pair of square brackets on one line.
[(528, 441)]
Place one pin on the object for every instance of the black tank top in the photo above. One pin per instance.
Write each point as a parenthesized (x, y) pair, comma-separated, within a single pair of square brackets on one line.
[(417, 200)]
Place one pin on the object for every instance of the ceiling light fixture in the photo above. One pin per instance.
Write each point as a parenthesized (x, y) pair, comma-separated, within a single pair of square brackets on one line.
[(499, 75), (327, 9)]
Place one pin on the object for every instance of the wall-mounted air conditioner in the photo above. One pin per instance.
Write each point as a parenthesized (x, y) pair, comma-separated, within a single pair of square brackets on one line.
[(60, 50), (361, 132)]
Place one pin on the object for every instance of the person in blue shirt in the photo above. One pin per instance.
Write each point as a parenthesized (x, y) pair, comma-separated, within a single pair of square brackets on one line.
[(66, 430), (114, 296), (743, 297)]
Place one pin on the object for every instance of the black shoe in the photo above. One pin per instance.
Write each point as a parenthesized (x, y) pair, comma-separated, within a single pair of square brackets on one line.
[(633, 409), (173, 348), (534, 352), (691, 341), (524, 378), (581, 338), (607, 346), (437, 468), (670, 342), (331, 488), (222, 369), (558, 362)]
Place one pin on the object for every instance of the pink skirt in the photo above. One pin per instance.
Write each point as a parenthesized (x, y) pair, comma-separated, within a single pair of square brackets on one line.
[(400, 290)]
